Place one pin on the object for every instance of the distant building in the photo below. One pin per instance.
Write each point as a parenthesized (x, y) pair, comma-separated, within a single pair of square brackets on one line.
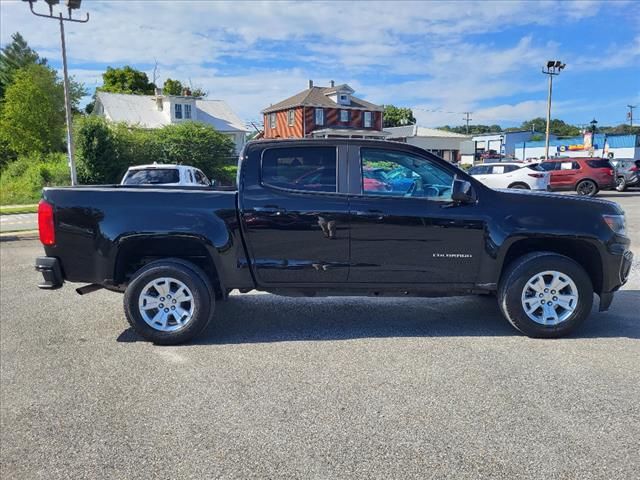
[(601, 145), (156, 111), (445, 144), (331, 111), (503, 143)]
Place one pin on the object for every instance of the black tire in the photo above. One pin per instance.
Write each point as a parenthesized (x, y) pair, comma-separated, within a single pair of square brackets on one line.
[(201, 294), (588, 188), (515, 278), (621, 184), (520, 186)]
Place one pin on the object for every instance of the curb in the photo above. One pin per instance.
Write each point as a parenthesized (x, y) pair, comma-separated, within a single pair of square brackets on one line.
[(19, 235)]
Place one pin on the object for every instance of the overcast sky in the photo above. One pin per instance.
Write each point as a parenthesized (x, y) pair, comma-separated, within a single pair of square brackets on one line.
[(440, 59)]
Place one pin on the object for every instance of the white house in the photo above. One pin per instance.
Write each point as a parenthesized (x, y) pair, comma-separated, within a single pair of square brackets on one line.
[(443, 143), (155, 111)]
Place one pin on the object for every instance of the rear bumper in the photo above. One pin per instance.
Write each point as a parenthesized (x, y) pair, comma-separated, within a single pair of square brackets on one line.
[(51, 272)]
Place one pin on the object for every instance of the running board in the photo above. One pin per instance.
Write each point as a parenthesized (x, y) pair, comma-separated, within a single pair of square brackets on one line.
[(92, 287)]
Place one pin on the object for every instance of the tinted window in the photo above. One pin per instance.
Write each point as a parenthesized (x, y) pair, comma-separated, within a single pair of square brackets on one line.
[(548, 166), (535, 166), (390, 173), (152, 176), (201, 178), (300, 168), (479, 170), (600, 163)]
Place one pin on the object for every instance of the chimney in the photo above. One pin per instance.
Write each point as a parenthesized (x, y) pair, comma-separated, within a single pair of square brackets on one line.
[(186, 92), (310, 83), (332, 83)]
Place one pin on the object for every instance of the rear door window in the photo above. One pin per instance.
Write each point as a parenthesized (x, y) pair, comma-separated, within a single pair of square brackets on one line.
[(599, 163), (154, 176), (550, 166), (311, 169)]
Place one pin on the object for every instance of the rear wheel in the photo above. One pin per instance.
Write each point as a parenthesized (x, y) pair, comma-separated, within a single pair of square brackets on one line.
[(545, 294), (621, 184), (168, 303), (587, 188), (520, 185)]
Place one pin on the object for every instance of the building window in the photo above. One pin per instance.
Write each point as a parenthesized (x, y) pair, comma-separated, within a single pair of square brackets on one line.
[(344, 116), (367, 120), (292, 117), (187, 111), (343, 99), (272, 120), (178, 110), (319, 116)]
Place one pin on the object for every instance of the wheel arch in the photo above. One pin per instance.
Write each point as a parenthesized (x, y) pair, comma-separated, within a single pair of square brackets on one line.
[(137, 251), (519, 182), (582, 252)]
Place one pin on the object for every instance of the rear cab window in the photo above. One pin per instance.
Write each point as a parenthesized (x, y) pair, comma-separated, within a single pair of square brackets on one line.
[(153, 176), (306, 169)]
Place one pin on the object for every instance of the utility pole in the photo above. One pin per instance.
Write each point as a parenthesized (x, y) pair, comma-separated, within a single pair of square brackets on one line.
[(71, 5), (467, 119), (630, 114), (554, 67)]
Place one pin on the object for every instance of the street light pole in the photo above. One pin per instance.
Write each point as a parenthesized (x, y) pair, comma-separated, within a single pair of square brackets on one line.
[(71, 5), (554, 67)]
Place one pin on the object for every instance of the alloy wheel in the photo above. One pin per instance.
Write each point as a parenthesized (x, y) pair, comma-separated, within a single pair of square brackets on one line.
[(166, 304), (549, 298)]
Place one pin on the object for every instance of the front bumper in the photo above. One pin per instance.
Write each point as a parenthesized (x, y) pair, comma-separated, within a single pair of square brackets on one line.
[(51, 272), (623, 270)]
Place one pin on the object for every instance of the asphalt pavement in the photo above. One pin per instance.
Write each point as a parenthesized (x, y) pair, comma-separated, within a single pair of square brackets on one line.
[(314, 388)]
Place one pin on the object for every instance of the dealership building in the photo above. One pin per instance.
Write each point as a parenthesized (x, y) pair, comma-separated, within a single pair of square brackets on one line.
[(503, 143), (611, 146)]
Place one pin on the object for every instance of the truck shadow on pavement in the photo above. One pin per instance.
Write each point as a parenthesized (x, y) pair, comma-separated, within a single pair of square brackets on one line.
[(269, 318)]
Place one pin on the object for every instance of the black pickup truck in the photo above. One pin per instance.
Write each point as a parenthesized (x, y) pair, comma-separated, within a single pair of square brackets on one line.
[(334, 217)]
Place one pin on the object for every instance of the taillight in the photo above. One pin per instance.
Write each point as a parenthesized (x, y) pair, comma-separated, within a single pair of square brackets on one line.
[(610, 171), (45, 223), (536, 175), (634, 169)]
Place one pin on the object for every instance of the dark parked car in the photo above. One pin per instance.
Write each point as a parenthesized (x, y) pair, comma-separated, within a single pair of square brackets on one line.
[(304, 221), (587, 176), (627, 173)]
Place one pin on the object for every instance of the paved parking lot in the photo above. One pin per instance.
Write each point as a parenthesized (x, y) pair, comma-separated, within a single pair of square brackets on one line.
[(314, 388)]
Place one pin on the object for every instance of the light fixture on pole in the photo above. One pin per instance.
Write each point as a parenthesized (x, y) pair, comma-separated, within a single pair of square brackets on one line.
[(553, 67), (71, 5)]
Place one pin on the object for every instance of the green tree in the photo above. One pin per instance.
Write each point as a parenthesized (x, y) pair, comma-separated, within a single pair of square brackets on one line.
[(473, 129), (622, 129), (126, 80), (556, 126), (175, 87), (172, 87), (398, 116), (197, 144), (15, 56), (32, 117)]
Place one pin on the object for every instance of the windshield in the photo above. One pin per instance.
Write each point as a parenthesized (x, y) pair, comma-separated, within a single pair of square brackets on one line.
[(153, 176)]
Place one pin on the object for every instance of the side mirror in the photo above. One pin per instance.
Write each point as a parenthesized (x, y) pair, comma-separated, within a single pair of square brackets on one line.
[(461, 191)]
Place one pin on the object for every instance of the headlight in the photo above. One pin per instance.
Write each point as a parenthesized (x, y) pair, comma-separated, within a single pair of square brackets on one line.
[(616, 223)]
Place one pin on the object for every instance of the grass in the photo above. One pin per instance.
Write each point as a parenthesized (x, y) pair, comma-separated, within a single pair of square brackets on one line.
[(13, 209)]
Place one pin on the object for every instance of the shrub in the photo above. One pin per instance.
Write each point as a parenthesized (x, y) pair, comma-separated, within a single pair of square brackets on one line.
[(22, 180)]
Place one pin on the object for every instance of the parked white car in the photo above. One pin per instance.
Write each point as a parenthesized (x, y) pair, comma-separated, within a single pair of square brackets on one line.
[(511, 175), (163, 174)]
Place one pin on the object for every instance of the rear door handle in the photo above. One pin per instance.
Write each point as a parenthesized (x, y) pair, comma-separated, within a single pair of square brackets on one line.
[(270, 209)]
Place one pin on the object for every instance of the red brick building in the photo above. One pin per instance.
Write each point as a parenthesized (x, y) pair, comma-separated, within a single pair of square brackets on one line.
[(324, 112)]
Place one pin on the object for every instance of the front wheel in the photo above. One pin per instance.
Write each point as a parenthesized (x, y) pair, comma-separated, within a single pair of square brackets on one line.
[(587, 188), (168, 302), (621, 184), (545, 295)]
